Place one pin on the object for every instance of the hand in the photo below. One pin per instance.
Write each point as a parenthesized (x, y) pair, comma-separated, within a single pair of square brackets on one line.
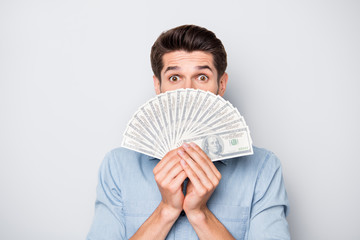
[(169, 176), (204, 178)]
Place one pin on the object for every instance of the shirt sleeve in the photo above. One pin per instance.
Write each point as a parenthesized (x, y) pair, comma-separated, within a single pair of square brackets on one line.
[(270, 203), (108, 222)]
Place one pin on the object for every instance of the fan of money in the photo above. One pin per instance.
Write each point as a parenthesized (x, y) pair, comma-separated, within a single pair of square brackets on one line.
[(172, 118)]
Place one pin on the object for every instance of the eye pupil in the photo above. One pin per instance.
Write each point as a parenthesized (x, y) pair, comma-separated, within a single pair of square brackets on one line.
[(202, 78)]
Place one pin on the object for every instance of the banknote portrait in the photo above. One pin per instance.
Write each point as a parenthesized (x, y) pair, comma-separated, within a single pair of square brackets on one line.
[(213, 146)]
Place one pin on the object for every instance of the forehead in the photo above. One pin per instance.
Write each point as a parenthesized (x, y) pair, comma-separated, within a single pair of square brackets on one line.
[(188, 59)]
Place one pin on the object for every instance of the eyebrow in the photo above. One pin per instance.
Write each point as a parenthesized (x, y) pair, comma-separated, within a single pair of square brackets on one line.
[(198, 67), (204, 67), (171, 68)]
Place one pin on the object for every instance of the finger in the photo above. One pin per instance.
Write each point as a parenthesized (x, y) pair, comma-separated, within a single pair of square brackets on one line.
[(180, 178), (163, 161), (211, 164), (169, 170), (199, 150), (198, 171), (202, 153), (171, 174), (168, 161), (205, 163), (199, 187)]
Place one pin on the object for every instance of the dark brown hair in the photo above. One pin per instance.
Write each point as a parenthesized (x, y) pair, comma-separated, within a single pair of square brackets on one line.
[(188, 38)]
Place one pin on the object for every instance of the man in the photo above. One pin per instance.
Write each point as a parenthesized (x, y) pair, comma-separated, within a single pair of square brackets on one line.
[(212, 147), (185, 195)]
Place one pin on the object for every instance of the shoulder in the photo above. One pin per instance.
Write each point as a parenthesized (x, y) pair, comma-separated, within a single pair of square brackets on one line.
[(267, 171), (257, 160), (255, 165), (264, 157)]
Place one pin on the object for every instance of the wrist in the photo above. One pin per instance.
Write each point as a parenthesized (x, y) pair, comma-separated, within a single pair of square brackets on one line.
[(168, 213), (198, 216)]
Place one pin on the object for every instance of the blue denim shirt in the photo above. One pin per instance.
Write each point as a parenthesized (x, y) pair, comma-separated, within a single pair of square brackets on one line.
[(250, 200)]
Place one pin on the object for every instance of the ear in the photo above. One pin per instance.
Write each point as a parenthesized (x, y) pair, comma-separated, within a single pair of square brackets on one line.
[(157, 85), (222, 84)]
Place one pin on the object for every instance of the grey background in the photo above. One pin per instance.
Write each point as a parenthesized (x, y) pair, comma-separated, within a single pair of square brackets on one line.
[(72, 73)]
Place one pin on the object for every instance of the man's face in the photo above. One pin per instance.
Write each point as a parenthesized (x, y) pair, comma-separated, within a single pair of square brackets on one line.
[(190, 70), (213, 145)]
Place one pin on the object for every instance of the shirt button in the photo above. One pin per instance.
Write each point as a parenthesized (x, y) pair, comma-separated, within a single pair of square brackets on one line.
[(182, 213)]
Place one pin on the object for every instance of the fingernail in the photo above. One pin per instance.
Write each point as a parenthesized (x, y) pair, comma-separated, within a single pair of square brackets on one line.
[(186, 145), (181, 152)]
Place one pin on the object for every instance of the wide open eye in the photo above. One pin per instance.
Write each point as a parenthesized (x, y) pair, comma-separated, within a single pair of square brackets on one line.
[(203, 77), (174, 78)]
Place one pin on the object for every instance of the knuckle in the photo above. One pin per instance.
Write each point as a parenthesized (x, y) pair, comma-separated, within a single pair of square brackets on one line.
[(175, 158), (157, 178), (209, 186), (161, 186), (201, 160), (192, 149), (187, 167), (179, 167), (183, 174), (172, 189), (202, 192)]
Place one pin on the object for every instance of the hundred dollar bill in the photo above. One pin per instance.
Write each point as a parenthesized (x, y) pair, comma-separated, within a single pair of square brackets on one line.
[(147, 110), (171, 99), (141, 137), (227, 118), (164, 109), (139, 147), (183, 112), (180, 99), (214, 104), (195, 108), (156, 111), (224, 145), (235, 124), (218, 116), (206, 102), (141, 122), (188, 107), (219, 111)]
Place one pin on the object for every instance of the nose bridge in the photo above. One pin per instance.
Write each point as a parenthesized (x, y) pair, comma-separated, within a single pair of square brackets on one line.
[(188, 82)]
